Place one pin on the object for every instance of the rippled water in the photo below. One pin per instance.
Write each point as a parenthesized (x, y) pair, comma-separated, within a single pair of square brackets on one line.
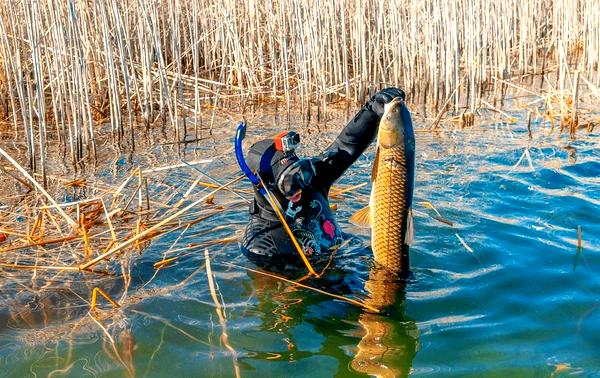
[(504, 291)]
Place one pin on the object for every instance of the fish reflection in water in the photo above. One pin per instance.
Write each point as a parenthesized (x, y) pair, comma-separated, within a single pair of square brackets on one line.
[(388, 340)]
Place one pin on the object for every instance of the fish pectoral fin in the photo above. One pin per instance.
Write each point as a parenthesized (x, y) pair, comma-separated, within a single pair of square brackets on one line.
[(362, 217), (410, 230)]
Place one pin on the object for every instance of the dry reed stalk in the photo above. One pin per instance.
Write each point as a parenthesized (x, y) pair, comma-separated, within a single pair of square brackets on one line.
[(163, 263), (121, 187), (174, 166), (20, 180), (211, 185), (575, 100), (220, 314), (187, 193), (42, 243), (70, 221), (438, 216), (138, 222), (68, 66), (109, 222), (438, 118), (135, 193), (73, 203), (216, 182), (150, 230), (335, 192), (95, 293), (86, 242), (11, 232), (43, 267), (464, 244)]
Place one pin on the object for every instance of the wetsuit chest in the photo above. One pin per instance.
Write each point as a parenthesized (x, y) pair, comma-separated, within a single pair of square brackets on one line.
[(312, 221)]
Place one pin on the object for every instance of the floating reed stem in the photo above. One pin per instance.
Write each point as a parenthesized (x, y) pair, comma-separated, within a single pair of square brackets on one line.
[(163, 263), (150, 230), (335, 192), (461, 240), (220, 313), (69, 220), (438, 216), (95, 293), (43, 267)]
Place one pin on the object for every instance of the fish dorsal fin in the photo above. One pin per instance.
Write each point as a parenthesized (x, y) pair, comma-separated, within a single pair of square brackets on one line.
[(410, 230), (375, 161), (362, 217)]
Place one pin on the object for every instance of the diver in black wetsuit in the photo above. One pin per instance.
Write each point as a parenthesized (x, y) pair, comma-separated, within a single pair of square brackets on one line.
[(301, 186)]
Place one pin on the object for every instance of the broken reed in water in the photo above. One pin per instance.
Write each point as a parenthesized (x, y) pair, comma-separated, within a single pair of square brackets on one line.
[(44, 240), (67, 67)]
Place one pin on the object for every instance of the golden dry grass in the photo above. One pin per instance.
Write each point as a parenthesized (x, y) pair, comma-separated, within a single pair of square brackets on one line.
[(68, 66)]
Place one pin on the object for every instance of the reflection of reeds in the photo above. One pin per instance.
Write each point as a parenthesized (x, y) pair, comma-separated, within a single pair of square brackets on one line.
[(68, 66), (221, 313)]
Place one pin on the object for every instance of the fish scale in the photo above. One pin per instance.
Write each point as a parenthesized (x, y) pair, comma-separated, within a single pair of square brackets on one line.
[(388, 208)]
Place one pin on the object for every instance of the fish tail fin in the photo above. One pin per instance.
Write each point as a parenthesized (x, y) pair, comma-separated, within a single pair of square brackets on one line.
[(362, 217)]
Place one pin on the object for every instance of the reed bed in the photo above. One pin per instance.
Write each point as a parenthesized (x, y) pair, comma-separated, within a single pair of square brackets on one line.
[(70, 68)]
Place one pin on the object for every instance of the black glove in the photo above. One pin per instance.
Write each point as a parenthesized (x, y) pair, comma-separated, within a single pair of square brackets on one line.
[(379, 99), (295, 177)]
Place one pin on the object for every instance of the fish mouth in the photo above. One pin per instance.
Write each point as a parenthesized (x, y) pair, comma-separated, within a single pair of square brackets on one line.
[(392, 105), (396, 100), (391, 110)]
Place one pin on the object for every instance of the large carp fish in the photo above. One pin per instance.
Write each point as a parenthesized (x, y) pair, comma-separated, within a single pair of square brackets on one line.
[(389, 212)]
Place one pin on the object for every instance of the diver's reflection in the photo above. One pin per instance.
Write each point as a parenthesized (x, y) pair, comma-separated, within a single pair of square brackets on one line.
[(389, 340)]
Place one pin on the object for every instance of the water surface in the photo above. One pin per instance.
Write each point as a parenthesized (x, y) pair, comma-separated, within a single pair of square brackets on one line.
[(504, 291)]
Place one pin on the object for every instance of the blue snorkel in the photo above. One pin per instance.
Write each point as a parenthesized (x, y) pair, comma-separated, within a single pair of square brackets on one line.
[(239, 154)]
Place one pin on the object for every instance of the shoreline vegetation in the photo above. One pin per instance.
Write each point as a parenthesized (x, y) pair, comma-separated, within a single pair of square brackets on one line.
[(68, 67)]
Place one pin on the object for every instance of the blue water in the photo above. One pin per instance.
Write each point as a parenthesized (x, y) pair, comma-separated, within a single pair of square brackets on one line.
[(504, 291)]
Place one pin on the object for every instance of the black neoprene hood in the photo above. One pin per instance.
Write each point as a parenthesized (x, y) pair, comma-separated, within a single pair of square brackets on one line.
[(270, 162)]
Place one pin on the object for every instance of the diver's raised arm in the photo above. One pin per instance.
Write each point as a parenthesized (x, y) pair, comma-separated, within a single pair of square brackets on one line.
[(355, 137)]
